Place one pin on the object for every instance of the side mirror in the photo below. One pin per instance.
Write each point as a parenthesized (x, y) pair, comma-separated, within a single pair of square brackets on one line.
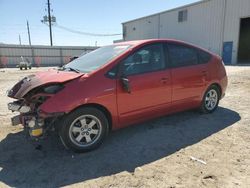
[(125, 84)]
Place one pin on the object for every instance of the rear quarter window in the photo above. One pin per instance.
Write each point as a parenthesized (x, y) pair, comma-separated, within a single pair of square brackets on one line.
[(182, 55), (204, 57)]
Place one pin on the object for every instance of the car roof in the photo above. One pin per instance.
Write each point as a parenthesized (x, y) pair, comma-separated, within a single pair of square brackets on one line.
[(138, 42), (148, 41)]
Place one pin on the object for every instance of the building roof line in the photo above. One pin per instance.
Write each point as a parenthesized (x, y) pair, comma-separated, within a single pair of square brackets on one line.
[(46, 46), (170, 10)]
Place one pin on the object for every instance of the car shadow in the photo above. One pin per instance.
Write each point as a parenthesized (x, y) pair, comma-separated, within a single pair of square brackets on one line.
[(21, 165)]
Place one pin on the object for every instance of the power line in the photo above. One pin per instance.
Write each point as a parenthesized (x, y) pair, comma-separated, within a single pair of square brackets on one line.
[(87, 33), (49, 20)]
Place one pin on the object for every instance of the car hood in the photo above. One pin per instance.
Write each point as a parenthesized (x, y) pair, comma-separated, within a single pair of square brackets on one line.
[(30, 82)]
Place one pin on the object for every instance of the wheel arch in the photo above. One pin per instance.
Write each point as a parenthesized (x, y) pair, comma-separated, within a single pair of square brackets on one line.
[(101, 108), (218, 86)]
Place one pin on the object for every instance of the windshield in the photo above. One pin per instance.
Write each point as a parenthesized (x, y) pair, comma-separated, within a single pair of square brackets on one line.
[(95, 59)]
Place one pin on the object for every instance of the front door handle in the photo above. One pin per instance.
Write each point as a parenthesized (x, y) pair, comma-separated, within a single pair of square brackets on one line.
[(164, 80)]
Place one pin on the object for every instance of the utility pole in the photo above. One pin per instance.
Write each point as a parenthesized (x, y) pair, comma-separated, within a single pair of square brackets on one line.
[(20, 41), (49, 20), (28, 28), (32, 49), (50, 29)]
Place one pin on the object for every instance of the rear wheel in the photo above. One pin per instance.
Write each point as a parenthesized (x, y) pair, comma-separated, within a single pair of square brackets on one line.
[(210, 100), (84, 129), (21, 68)]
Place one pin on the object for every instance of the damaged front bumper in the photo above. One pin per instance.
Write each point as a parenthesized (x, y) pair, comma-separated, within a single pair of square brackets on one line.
[(18, 107), (27, 118)]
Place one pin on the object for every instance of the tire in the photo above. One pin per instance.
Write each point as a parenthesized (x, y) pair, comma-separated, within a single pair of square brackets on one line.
[(21, 68), (29, 67), (26, 67), (84, 129), (210, 100)]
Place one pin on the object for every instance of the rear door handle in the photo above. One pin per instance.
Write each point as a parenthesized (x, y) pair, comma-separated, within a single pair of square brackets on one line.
[(204, 73), (164, 80)]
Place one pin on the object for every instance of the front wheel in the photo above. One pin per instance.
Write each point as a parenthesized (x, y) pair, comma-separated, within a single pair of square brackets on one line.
[(210, 100), (84, 129)]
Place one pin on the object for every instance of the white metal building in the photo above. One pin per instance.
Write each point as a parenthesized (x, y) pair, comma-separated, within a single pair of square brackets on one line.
[(221, 26)]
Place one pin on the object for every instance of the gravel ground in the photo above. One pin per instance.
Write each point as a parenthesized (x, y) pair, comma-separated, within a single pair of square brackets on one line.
[(153, 154)]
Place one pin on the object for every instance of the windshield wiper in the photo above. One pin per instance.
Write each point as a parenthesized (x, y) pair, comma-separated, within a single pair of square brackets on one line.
[(75, 70), (70, 69)]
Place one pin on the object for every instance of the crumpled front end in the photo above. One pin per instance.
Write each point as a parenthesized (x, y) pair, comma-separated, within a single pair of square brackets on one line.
[(30, 115), (30, 93)]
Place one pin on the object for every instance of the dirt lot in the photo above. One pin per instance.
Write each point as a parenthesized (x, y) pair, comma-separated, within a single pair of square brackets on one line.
[(153, 154)]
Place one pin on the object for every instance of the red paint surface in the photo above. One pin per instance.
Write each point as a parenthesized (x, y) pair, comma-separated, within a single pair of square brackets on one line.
[(43, 78), (152, 94)]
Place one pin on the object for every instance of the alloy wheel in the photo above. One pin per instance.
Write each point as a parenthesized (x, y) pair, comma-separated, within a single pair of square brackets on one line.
[(211, 99), (85, 130)]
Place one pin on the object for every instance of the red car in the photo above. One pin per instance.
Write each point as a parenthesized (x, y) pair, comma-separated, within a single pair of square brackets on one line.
[(116, 86)]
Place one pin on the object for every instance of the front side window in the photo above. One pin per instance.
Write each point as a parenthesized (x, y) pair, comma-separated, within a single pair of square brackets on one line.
[(97, 58), (147, 59), (182, 55)]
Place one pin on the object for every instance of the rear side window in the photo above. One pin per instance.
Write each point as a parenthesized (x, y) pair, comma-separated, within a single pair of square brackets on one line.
[(181, 55), (204, 57)]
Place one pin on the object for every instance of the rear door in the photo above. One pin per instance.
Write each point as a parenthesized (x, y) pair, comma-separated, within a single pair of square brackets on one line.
[(150, 83), (188, 76)]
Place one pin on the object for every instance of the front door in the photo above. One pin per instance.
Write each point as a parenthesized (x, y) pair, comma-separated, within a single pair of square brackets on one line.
[(150, 85)]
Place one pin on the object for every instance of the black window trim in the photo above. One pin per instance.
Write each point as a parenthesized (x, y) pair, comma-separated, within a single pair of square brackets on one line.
[(117, 67), (184, 45), (166, 58), (119, 73), (199, 58)]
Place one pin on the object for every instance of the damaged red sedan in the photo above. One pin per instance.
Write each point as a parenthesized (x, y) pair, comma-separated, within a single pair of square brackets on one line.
[(116, 86)]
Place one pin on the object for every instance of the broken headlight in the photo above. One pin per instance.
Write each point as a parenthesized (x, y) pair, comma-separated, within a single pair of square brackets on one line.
[(52, 89)]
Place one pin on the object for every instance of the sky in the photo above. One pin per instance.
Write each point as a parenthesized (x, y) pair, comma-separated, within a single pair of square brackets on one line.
[(93, 16)]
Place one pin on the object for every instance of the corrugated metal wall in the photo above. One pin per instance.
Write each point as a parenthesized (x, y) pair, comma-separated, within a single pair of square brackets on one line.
[(202, 27), (10, 55), (142, 29), (235, 10), (209, 24)]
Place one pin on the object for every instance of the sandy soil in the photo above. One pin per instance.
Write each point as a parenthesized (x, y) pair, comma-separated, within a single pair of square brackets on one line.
[(153, 154)]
